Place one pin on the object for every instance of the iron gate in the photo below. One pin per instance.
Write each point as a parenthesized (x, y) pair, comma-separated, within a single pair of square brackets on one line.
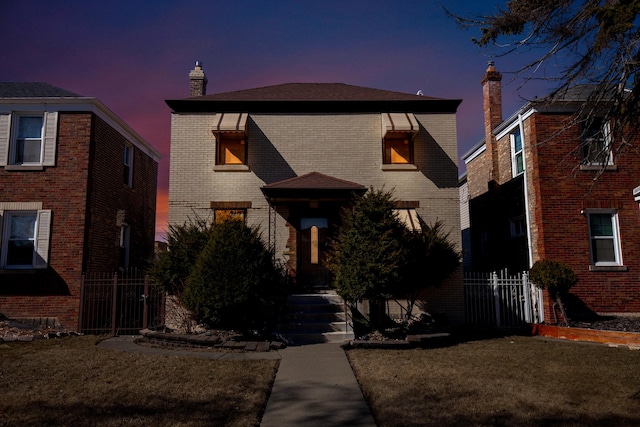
[(120, 304)]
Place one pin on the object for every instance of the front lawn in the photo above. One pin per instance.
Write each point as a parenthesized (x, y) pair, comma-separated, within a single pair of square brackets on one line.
[(71, 382), (502, 381)]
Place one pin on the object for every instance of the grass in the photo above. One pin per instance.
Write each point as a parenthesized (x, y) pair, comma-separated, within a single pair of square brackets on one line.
[(72, 382), (501, 381)]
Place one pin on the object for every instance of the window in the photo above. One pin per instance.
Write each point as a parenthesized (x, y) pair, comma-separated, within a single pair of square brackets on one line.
[(28, 140), (25, 238), (221, 215), (517, 156), (595, 143), (231, 149), (604, 238), (398, 148), (125, 245), (518, 226), (127, 177)]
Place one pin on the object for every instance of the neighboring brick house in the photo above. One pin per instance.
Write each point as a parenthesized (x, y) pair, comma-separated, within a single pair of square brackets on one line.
[(538, 190), (288, 157), (77, 194)]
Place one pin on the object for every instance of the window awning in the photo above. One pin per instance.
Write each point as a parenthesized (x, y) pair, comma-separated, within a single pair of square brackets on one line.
[(409, 217), (636, 194), (230, 122), (399, 122)]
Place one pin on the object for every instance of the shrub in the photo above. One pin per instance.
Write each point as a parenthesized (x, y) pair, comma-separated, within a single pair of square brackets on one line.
[(232, 276), (184, 242), (557, 278)]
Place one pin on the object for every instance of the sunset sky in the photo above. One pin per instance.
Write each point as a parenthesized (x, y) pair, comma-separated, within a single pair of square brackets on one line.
[(133, 55)]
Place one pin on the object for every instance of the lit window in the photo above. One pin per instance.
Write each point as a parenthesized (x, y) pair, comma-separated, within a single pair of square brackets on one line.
[(222, 215), (517, 156), (25, 239), (604, 238), (231, 149), (398, 148), (595, 143)]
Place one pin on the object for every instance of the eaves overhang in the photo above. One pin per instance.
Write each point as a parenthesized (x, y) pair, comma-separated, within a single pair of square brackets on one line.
[(433, 106)]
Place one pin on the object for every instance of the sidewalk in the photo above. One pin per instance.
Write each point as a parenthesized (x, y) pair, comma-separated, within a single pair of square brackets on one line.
[(315, 386)]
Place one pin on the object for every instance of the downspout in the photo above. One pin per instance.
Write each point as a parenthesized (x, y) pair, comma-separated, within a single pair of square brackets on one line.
[(538, 299)]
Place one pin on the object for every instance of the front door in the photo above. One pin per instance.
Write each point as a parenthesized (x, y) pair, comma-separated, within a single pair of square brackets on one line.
[(312, 248)]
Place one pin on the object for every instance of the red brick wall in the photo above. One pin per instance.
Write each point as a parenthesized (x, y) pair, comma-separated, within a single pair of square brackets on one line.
[(560, 193), (54, 292), (108, 195), (85, 188)]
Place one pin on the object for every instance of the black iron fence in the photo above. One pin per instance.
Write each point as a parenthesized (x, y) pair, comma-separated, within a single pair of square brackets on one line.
[(120, 303)]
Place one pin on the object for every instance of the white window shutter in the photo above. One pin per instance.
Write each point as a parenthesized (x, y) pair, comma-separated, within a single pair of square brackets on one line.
[(1, 229), (42, 239), (5, 137), (49, 138)]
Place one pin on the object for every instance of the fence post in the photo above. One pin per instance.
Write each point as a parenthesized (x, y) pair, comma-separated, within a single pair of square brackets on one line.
[(82, 297), (496, 297), (526, 290), (145, 298), (114, 304)]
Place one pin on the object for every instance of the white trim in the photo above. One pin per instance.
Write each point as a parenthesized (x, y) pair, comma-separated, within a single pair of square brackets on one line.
[(475, 154), (91, 105), (617, 249)]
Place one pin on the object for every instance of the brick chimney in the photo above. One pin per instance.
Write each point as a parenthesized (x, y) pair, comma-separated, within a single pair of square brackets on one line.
[(198, 81), (492, 100)]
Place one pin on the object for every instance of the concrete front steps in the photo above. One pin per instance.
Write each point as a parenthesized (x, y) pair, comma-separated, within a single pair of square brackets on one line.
[(317, 318)]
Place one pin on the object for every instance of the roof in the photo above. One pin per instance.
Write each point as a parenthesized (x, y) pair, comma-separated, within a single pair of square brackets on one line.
[(313, 97), (33, 90), (315, 181)]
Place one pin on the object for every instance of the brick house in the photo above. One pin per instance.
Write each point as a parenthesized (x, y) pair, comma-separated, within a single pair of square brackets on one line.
[(538, 189), (288, 158), (77, 194)]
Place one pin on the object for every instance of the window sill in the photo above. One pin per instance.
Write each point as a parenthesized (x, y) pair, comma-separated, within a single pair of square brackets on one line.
[(606, 168), (608, 268), (399, 167), (231, 168), (23, 168)]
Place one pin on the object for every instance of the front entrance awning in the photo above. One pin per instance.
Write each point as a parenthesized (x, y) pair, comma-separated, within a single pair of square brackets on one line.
[(310, 187), (399, 122), (230, 122)]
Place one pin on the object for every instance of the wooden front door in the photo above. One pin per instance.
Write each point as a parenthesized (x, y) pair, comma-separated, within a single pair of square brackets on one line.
[(312, 248)]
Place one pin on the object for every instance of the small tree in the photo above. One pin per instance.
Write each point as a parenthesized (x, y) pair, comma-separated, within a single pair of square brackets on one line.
[(432, 259), (368, 257), (557, 278), (184, 243), (232, 276)]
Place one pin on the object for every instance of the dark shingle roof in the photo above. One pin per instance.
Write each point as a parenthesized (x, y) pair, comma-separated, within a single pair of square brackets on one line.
[(313, 98), (312, 92), (314, 180), (33, 90)]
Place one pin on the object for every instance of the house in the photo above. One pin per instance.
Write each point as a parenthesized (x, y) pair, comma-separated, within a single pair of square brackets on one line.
[(540, 186), (77, 194), (288, 157)]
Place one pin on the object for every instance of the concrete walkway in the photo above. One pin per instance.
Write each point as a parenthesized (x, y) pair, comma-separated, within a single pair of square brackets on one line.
[(315, 386)]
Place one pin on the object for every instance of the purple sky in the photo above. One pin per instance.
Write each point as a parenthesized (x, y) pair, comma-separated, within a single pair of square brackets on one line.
[(132, 55)]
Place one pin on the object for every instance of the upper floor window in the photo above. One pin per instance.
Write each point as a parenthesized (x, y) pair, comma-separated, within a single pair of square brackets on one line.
[(517, 155), (28, 139), (127, 177), (595, 142), (604, 238), (24, 238), (232, 149), (398, 148), (222, 215)]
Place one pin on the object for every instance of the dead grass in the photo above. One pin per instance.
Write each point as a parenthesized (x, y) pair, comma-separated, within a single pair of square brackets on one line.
[(503, 381), (71, 382)]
